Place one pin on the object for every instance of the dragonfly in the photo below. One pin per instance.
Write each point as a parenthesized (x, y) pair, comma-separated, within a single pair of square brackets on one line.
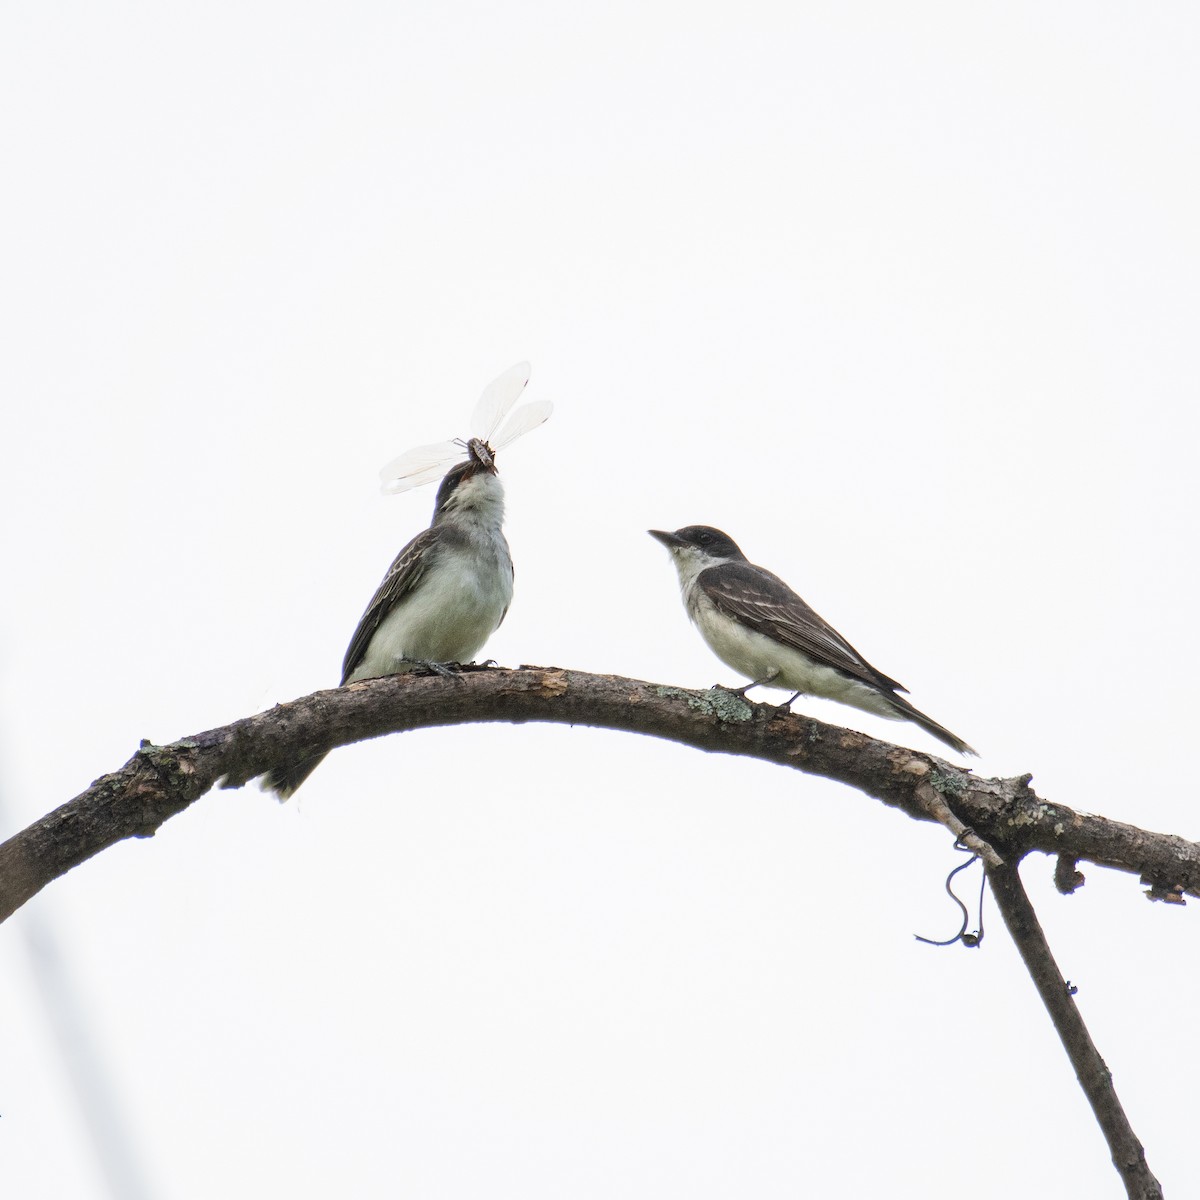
[(423, 464)]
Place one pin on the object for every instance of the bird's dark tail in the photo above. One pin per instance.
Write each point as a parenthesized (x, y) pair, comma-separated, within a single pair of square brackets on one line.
[(283, 781), (909, 712)]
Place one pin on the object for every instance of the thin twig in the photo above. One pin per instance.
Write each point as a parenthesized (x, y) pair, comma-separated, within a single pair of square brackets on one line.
[(934, 803), (1094, 1077)]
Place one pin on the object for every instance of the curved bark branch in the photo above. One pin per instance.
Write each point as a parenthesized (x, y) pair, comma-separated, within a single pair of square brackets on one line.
[(160, 781), (1001, 819)]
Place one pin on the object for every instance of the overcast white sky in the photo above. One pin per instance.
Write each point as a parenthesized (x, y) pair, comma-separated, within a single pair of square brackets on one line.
[(904, 297)]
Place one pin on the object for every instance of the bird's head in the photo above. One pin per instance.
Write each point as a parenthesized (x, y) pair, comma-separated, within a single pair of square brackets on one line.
[(699, 546), (474, 484)]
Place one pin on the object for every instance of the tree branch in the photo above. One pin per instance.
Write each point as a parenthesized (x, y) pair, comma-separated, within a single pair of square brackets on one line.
[(1094, 1076), (1001, 819), (160, 781)]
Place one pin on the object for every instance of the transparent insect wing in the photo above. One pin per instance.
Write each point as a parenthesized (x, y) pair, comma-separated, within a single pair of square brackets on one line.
[(396, 486), (528, 416), (498, 397), (419, 465), (423, 464)]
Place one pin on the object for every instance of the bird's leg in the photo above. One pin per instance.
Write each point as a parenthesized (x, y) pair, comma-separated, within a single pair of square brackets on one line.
[(746, 687), (445, 670), (786, 706)]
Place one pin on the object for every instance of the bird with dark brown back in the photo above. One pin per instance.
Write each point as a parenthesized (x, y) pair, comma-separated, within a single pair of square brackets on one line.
[(754, 623)]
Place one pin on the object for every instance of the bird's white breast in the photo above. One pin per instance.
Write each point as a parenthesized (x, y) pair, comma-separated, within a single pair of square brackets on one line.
[(762, 659), (455, 607)]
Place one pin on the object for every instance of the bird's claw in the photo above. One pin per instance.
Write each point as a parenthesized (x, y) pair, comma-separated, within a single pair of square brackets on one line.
[(447, 670), (720, 687)]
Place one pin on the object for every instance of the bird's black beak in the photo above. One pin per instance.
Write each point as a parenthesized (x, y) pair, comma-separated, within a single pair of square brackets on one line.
[(670, 540)]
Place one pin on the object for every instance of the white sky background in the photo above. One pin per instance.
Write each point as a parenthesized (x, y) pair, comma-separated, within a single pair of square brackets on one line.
[(904, 297)]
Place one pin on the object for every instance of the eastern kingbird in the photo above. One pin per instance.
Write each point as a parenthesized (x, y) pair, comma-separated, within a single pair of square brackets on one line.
[(754, 623), (448, 590), (442, 598)]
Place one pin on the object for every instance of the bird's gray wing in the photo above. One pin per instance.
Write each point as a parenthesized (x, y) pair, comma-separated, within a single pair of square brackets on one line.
[(763, 602), (403, 575)]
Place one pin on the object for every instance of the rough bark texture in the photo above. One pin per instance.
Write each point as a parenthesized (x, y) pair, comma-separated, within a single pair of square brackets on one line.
[(160, 781)]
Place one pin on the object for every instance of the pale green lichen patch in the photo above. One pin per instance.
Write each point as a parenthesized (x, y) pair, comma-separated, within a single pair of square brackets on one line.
[(725, 706), (1033, 814), (948, 785)]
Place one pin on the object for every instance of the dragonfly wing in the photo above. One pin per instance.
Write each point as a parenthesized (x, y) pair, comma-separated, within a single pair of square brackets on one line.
[(528, 416), (394, 487), (498, 397), (418, 465)]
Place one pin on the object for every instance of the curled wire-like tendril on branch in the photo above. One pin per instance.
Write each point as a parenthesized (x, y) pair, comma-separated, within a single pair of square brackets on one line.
[(970, 940)]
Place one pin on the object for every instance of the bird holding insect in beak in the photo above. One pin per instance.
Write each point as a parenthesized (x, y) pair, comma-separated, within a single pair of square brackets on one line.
[(449, 589)]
